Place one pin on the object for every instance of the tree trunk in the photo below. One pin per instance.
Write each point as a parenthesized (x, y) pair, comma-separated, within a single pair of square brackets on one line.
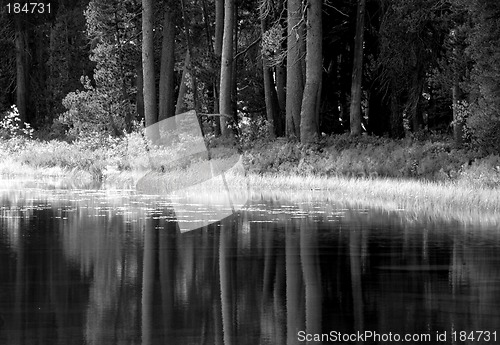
[(225, 106), (148, 68), (167, 104), (21, 70), (357, 71), (194, 87), (309, 116), (234, 66), (219, 32), (180, 106), (270, 95), (281, 94), (294, 73)]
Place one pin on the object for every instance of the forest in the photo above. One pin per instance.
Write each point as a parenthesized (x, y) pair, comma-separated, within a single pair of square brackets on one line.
[(337, 87)]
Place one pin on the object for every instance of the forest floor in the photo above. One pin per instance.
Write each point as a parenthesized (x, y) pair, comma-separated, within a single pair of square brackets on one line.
[(400, 174)]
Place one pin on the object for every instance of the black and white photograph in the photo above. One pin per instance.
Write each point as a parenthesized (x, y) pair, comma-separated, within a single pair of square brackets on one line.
[(249, 172)]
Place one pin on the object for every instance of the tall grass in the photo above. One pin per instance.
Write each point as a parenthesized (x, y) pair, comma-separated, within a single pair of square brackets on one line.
[(429, 177)]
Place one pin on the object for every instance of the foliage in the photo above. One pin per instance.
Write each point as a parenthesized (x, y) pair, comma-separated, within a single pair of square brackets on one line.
[(368, 157), (93, 110), (484, 50), (484, 172), (106, 103), (11, 126)]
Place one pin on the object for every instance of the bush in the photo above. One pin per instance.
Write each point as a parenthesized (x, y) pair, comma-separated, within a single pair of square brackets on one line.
[(482, 172), (11, 126), (362, 157)]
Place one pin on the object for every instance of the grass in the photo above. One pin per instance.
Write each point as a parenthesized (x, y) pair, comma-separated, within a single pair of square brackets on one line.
[(428, 178)]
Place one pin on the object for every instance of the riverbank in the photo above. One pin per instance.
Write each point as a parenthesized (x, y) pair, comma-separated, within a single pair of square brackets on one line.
[(426, 175)]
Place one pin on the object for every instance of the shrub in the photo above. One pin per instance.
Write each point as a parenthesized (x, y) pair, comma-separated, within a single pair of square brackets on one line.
[(482, 172), (11, 126)]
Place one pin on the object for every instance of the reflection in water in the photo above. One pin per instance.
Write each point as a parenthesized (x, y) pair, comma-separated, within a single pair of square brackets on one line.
[(95, 268)]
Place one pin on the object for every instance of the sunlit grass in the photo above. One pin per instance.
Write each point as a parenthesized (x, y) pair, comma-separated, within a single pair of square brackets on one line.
[(10, 169), (451, 201), (466, 199)]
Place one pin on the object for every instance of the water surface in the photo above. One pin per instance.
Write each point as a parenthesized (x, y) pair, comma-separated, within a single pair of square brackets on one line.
[(113, 267)]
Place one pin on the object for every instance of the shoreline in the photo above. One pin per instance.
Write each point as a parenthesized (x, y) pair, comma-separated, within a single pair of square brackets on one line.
[(453, 201)]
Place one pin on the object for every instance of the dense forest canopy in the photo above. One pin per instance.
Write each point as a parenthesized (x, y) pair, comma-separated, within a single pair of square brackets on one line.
[(295, 68)]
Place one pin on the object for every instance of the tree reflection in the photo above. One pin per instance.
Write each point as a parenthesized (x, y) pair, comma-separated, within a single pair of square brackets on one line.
[(97, 275)]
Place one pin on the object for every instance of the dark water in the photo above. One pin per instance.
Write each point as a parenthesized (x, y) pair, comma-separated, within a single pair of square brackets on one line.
[(80, 267)]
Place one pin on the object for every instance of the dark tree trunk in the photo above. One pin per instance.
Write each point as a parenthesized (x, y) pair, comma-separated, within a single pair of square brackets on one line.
[(309, 116), (294, 72), (148, 66), (357, 71), (187, 25), (180, 106), (225, 105), (219, 32), (167, 103), (270, 95)]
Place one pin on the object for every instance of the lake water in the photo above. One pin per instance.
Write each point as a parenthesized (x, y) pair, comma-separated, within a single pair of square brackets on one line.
[(114, 267)]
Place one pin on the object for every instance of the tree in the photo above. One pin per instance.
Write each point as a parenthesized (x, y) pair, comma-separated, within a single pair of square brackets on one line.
[(484, 120), (411, 39), (166, 101), (219, 32), (294, 70), (148, 68), (309, 115), (225, 105), (357, 71), (270, 94)]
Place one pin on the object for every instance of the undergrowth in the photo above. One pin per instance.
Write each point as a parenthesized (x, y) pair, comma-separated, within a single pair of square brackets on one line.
[(431, 159)]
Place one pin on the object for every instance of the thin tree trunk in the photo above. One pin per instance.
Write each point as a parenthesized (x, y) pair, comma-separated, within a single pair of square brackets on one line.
[(225, 105), (270, 95), (148, 66), (357, 71), (167, 104), (281, 93), (219, 32), (309, 116), (180, 107), (234, 65), (190, 50), (294, 75)]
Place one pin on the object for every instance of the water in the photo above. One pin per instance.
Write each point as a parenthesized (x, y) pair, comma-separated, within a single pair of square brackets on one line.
[(96, 267)]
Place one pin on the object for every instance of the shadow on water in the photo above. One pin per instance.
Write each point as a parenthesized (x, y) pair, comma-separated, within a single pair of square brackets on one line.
[(104, 268)]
